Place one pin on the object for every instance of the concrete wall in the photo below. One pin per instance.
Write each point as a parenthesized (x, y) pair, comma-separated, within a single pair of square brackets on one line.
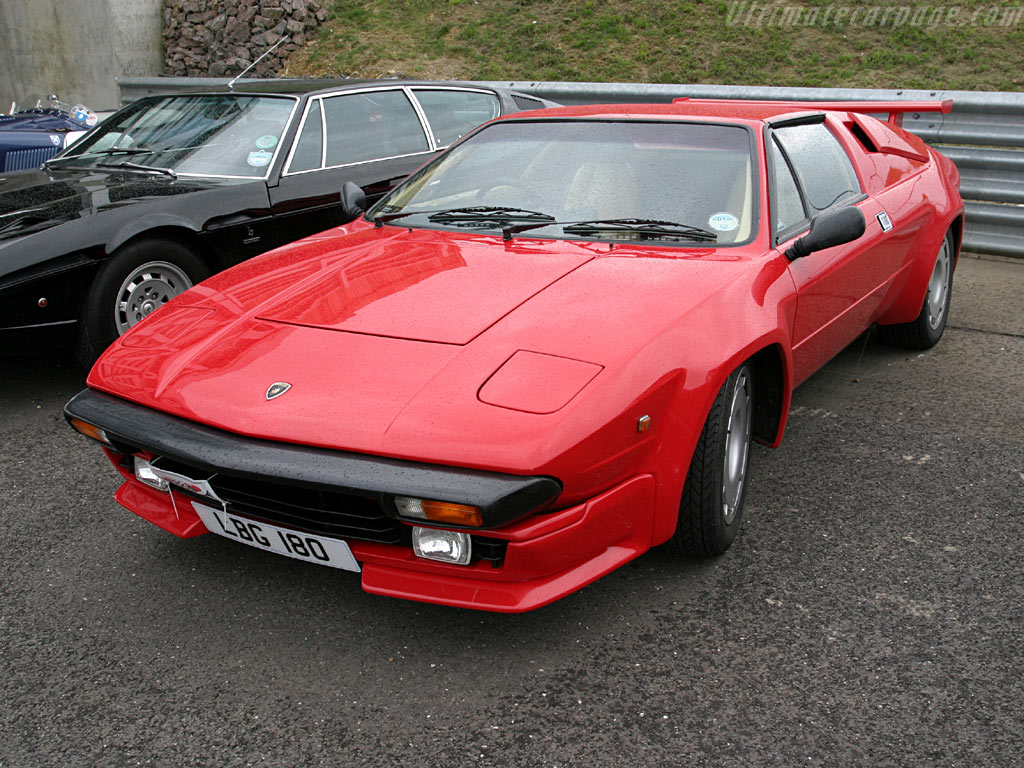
[(76, 49)]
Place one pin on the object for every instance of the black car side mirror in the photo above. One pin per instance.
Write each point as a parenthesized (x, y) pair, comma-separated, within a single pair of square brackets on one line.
[(353, 200), (827, 229)]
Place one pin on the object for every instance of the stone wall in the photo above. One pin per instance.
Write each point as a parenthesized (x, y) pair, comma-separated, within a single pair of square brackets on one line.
[(220, 38)]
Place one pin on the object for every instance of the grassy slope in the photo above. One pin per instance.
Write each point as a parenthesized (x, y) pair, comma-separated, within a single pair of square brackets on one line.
[(659, 42)]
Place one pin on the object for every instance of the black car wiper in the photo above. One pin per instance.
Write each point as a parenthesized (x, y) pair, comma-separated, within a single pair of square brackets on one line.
[(100, 153), (138, 167), (472, 216), (645, 228), (476, 214)]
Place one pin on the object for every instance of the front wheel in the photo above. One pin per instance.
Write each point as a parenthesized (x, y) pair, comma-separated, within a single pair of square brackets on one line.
[(139, 278), (711, 508), (927, 329)]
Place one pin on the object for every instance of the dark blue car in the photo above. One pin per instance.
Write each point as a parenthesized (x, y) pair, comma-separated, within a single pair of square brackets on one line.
[(30, 137)]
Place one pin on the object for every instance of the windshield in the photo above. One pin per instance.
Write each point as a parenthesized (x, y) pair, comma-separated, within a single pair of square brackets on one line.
[(590, 179), (215, 135)]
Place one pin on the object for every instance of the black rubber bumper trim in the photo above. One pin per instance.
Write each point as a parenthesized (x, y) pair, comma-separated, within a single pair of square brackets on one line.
[(502, 498)]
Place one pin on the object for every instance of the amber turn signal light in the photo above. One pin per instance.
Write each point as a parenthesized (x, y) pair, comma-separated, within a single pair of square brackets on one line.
[(90, 430), (439, 511)]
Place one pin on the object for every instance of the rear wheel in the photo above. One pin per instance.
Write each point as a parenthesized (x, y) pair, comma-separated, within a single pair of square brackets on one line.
[(138, 279), (711, 508), (926, 330)]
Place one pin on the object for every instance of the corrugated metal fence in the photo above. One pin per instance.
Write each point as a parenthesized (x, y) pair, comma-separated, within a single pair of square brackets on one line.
[(983, 135)]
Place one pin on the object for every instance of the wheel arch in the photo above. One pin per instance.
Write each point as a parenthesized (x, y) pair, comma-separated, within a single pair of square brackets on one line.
[(772, 375), (174, 232), (908, 304), (772, 394), (957, 228)]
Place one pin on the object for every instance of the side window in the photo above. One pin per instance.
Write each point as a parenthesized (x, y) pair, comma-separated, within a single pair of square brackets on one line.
[(822, 167), (309, 149), (789, 210), (452, 114), (371, 126)]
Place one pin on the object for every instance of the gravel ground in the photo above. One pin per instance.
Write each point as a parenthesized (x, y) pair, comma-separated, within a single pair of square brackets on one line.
[(870, 613)]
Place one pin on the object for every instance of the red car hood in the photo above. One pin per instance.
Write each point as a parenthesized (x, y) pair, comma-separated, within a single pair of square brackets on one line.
[(423, 288), (389, 336), (356, 330)]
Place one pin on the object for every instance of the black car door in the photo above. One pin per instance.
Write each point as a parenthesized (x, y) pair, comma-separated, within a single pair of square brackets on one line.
[(373, 137)]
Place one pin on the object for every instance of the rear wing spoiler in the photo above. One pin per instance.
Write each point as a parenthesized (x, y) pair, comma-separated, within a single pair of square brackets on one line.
[(895, 109)]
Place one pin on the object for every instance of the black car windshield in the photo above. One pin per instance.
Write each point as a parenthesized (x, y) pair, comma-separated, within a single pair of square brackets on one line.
[(198, 135), (591, 179)]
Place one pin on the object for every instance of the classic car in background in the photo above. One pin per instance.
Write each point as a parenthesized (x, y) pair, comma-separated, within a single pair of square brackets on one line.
[(173, 188), (29, 137), (547, 351)]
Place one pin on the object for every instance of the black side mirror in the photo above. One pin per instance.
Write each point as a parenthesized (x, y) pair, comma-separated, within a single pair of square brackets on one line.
[(353, 200), (827, 229)]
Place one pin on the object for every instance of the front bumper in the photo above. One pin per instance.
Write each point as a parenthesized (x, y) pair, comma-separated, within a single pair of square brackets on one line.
[(132, 428), (544, 555)]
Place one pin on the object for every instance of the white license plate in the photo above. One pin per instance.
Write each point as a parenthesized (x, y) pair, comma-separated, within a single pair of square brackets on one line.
[(302, 546)]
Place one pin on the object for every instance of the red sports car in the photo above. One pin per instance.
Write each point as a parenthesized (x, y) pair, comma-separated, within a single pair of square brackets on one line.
[(544, 353)]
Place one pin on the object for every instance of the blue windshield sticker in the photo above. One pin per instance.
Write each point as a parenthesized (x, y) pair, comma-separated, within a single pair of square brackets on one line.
[(723, 222), (268, 141), (259, 158)]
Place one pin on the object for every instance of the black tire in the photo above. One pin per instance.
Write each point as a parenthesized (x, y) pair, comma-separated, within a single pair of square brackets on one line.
[(711, 508), (140, 277), (925, 331)]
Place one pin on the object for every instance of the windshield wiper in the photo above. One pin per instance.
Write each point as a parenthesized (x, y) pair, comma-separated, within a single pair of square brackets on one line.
[(477, 214), (138, 167), (489, 216), (645, 228), (101, 153), (472, 216)]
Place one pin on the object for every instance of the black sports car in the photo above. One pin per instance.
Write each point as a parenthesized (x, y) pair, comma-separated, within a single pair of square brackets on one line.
[(175, 187)]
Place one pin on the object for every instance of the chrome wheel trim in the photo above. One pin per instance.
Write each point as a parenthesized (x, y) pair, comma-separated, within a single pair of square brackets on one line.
[(737, 447), (938, 287), (147, 288)]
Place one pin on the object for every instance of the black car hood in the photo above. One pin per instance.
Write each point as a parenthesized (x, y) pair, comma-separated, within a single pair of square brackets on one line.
[(31, 201)]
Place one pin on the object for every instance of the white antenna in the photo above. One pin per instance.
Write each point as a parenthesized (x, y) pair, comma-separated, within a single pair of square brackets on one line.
[(268, 51)]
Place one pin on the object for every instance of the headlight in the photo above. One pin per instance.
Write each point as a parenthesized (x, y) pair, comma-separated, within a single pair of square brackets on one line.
[(443, 546), (145, 473)]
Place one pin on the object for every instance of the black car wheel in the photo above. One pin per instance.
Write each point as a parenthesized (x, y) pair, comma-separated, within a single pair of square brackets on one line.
[(927, 329), (140, 277), (711, 508)]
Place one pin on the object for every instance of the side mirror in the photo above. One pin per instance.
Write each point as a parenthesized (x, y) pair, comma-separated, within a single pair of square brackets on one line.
[(353, 200), (827, 229)]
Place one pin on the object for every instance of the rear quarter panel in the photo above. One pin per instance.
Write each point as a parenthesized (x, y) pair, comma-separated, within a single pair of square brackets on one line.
[(922, 201)]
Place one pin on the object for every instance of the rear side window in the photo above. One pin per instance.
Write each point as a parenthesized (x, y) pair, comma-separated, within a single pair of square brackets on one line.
[(526, 102), (822, 167), (452, 114), (371, 126), (309, 149)]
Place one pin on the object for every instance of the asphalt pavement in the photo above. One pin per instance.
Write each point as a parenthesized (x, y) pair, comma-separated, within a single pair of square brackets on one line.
[(870, 614)]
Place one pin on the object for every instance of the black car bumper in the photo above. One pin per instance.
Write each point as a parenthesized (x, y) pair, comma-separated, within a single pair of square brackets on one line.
[(131, 428)]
